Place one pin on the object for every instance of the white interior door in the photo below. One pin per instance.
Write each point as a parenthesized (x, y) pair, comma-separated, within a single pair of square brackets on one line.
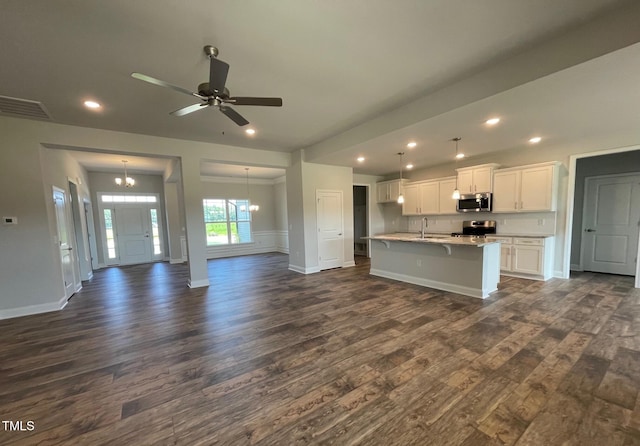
[(611, 222), (330, 229), (64, 242), (133, 229)]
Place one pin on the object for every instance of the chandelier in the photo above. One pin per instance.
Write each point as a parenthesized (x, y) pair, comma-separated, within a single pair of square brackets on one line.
[(128, 181)]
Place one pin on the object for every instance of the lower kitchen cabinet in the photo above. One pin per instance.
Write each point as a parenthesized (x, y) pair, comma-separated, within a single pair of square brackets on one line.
[(527, 257)]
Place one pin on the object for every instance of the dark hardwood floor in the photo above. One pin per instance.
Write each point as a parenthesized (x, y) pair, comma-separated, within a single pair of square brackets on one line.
[(266, 356)]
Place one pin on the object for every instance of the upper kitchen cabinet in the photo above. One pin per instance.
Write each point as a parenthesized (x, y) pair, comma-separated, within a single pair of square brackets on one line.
[(421, 198), (447, 204), (530, 188), (431, 197), (476, 178), (411, 205), (389, 191)]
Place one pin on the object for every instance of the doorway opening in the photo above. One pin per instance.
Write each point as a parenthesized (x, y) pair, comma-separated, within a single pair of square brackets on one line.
[(360, 220), (604, 237)]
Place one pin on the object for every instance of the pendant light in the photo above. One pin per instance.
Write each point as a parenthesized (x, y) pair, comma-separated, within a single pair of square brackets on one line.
[(456, 191), (128, 181), (400, 197), (252, 207)]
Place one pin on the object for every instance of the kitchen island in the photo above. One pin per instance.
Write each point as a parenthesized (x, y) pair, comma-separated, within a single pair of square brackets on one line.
[(463, 265)]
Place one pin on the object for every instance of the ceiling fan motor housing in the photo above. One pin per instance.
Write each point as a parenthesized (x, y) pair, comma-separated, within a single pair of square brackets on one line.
[(204, 90)]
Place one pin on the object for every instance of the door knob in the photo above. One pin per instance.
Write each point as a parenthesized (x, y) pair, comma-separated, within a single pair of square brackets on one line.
[(589, 230)]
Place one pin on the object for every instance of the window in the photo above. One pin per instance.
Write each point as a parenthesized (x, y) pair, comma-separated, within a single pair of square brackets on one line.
[(128, 198), (155, 232), (227, 221), (111, 241)]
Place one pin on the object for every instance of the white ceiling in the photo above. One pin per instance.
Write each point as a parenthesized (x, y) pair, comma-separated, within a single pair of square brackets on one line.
[(337, 66)]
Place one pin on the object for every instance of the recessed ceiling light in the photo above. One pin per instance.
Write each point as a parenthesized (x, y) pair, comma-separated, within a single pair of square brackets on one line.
[(360, 159), (412, 144), (250, 132), (409, 166), (92, 104), (492, 121), (535, 140), (460, 155)]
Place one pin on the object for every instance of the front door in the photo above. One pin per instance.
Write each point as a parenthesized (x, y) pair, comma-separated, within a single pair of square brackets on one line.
[(134, 234), (611, 223), (330, 229), (64, 243)]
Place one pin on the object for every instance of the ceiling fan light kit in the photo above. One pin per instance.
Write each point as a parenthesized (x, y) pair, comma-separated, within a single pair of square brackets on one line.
[(213, 93)]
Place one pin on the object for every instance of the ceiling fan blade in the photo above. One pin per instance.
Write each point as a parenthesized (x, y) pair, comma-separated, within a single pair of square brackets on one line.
[(267, 102), (188, 109), (154, 81), (218, 71), (234, 115)]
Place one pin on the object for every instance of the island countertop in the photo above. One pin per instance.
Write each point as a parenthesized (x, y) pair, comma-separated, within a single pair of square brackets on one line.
[(439, 239)]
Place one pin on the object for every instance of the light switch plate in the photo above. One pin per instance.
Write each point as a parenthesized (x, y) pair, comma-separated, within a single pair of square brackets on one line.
[(10, 220)]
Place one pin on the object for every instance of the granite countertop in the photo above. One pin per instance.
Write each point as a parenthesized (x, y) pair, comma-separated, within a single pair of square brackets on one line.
[(436, 239)]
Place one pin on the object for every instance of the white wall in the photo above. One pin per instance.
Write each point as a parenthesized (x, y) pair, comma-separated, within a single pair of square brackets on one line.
[(280, 208), (303, 180), (323, 177), (296, 214)]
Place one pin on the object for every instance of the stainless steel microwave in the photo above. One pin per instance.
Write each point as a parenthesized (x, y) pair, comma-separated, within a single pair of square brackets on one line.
[(475, 203)]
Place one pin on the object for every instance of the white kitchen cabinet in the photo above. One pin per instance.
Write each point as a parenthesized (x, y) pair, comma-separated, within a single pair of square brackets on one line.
[(476, 178), (411, 205), (429, 194), (528, 257), (526, 189), (421, 198), (389, 191), (447, 204)]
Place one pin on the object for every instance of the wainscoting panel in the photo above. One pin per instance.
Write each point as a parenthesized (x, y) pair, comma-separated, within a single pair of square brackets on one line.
[(263, 241)]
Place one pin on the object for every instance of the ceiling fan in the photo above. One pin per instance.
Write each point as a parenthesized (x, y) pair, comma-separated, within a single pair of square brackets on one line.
[(213, 93)]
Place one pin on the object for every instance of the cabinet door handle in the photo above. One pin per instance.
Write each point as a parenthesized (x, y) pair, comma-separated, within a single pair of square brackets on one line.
[(521, 205), (515, 205), (589, 230)]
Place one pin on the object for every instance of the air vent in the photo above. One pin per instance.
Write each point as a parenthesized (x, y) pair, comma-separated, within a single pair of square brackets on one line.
[(23, 108)]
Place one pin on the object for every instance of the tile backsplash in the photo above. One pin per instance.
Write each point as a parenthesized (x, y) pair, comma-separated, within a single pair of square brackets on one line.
[(530, 223)]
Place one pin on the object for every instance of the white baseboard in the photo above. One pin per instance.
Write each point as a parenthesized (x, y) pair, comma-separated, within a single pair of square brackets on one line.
[(198, 283), (559, 275), (458, 289), (33, 309), (349, 264), (576, 267), (175, 261), (303, 270)]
